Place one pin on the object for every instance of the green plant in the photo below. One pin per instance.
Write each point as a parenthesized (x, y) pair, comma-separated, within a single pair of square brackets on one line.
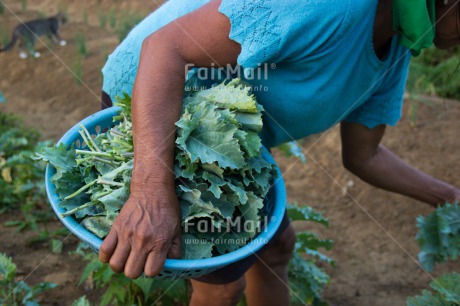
[(415, 101), (85, 17), (21, 179), (102, 19), (81, 45), (82, 301), (292, 149), (306, 279), (446, 292), (112, 18), (439, 235), (15, 292), (4, 38), (121, 290), (2, 8), (54, 238), (24, 5), (77, 69), (435, 72)]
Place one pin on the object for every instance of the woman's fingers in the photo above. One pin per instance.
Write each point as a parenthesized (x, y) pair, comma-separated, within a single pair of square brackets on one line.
[(175, 250), (119, 257), (108, 246), (135, 263), (154, 263)]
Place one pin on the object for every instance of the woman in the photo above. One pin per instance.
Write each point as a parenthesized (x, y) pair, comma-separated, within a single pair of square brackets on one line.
[(335, 61)]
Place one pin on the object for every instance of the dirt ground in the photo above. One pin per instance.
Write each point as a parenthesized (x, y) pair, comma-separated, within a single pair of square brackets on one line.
[(373, 230)]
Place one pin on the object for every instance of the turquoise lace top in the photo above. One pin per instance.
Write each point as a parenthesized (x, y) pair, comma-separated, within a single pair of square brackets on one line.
[(321, 65)]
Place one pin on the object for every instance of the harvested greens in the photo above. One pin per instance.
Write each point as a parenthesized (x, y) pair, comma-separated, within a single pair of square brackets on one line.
[(221, 177)]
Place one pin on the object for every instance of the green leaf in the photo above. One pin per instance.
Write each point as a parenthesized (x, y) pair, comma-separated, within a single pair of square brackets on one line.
[(448, 286), (233, 95), (306, 280), (292, 149), (211, 140), (195, 248), (145, 284), (82, 301), (115, 200), (60, 157), (39, 288), (305, 213), (251, 122), (311, 241), (92, 266), (56, 246), (439, 236), (99, 225), (427, 299), (7, 267)]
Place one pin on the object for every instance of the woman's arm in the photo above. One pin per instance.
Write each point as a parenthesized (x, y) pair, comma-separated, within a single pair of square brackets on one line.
[(148, 227), (364, 156)]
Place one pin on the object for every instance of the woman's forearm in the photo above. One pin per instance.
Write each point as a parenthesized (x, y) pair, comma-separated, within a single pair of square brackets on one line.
[(387, 171), (157, 100)]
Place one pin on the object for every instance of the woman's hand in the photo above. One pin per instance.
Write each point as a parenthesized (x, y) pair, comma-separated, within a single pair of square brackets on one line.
[(146, 231)]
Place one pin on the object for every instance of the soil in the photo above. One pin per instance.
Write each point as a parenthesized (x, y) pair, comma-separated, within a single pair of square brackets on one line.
[(373, 230)]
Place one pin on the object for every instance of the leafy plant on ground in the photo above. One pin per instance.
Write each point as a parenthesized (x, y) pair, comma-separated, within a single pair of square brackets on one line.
[(77, 70), (55, 239), (15, 292), (446, 292), (439, 236), (81, 45), (112, 18), (292, 149), (21, 179), (85, 17), (4, 37), (24, 5), (306, 278), (121, 290), (435, 72), (82, 301), (102, 19)]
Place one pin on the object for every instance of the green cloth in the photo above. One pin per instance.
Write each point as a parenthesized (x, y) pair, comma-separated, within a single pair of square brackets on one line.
[(415, 21)]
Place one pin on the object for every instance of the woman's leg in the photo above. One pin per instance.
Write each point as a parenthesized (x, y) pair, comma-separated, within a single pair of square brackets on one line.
[(267, 279), (205, 294)]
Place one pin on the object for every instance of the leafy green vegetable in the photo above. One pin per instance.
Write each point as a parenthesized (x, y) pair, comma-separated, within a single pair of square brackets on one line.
[(447, 292), (82, 301), (16, 293), (21, 179), (120, 290), (306, 279), (221, 177), (439, 235), (292, 148)]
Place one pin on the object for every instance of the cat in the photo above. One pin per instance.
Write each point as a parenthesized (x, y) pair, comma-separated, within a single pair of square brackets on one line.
[(28, 32)]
